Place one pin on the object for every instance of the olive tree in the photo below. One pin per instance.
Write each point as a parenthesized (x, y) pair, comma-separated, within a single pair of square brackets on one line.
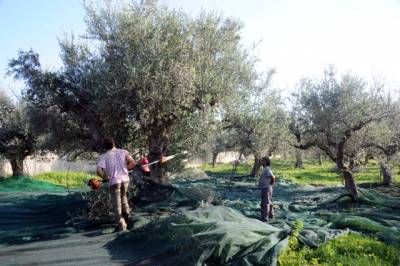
[(383, 141), (147, 69), (222, 140), (257, 119), (335, 115), (296, 130), (17, 140)]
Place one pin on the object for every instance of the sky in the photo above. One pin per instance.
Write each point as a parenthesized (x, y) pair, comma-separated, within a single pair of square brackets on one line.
[(299, 38)]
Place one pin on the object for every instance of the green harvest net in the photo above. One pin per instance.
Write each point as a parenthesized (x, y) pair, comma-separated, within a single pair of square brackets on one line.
[(27, 184), (207, 221)]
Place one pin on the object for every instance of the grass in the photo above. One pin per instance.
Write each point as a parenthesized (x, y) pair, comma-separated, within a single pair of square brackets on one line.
[(226, 168), (312, 173), (65, 179), (350, 249)]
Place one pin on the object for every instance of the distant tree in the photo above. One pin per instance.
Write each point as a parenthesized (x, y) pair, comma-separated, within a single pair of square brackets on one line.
[(296, 131), (335, 115), (17, 140), (149, 68), (221, 139), (383, 141), (258, 120), (221, 142)]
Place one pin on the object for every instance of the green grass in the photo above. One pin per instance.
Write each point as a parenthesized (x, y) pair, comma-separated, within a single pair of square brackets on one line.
[(65, 179), (226, 168), (351, 249), (312, 173)]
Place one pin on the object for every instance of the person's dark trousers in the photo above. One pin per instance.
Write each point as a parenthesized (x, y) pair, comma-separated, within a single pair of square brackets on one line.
[(266, 204)]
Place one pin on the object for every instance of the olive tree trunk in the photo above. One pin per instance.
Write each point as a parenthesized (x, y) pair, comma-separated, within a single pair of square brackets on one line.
[(17, 166), (349, 183), (214, 158), (256, 165), (157, 142), (319, 155), (299, 159), (386, 173)]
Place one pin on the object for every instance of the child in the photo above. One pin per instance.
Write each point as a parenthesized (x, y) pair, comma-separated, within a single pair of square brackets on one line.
[(265, 183)]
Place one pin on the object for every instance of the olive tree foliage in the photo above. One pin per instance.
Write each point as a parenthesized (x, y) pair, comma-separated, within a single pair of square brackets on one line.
[(335, 115), (148, 68), (221, 141), (383, 141), (257, 119), (6, 106), (218, 138), (17, 140), (70, 105)]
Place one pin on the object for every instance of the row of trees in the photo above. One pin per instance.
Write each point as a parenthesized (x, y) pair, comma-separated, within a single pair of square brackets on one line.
[(159, 80), (347, 119)]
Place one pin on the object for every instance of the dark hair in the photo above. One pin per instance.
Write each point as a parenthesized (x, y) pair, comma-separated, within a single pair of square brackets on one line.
[(267, 161), (108, 143)]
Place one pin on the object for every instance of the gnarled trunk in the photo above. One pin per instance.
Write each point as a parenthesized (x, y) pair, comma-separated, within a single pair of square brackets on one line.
[(366, 159), (299, 159), (349, 182), (17, 166), (256, 165), (319, 155), (386, 172), (157, 142), (214, 158), (348, 177)]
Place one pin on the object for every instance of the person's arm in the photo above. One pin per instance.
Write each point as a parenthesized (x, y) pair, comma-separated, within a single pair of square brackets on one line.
[(100, 169), (272, 180), (130, 161), (271, 175), (100, 172)]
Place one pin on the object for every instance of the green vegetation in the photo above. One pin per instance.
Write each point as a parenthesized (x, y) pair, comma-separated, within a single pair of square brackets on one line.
[(226, 168), (27, 184), (290, 253), (66, 179), (312, 173), (351, 249)]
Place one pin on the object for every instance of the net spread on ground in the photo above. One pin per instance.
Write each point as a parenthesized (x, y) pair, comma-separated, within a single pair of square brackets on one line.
[(207, 220)]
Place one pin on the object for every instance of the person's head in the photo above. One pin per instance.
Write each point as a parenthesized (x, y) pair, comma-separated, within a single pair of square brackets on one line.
[(265, 161), (108, 143)]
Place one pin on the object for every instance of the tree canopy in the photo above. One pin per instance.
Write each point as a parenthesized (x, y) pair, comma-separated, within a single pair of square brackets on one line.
[(141, 71), (335, 114)]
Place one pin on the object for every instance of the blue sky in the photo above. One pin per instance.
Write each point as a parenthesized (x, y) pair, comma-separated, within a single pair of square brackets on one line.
[(298, 38), (36, 24)]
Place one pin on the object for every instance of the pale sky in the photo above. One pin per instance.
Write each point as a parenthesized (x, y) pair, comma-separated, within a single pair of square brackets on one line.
[(298, 37)]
